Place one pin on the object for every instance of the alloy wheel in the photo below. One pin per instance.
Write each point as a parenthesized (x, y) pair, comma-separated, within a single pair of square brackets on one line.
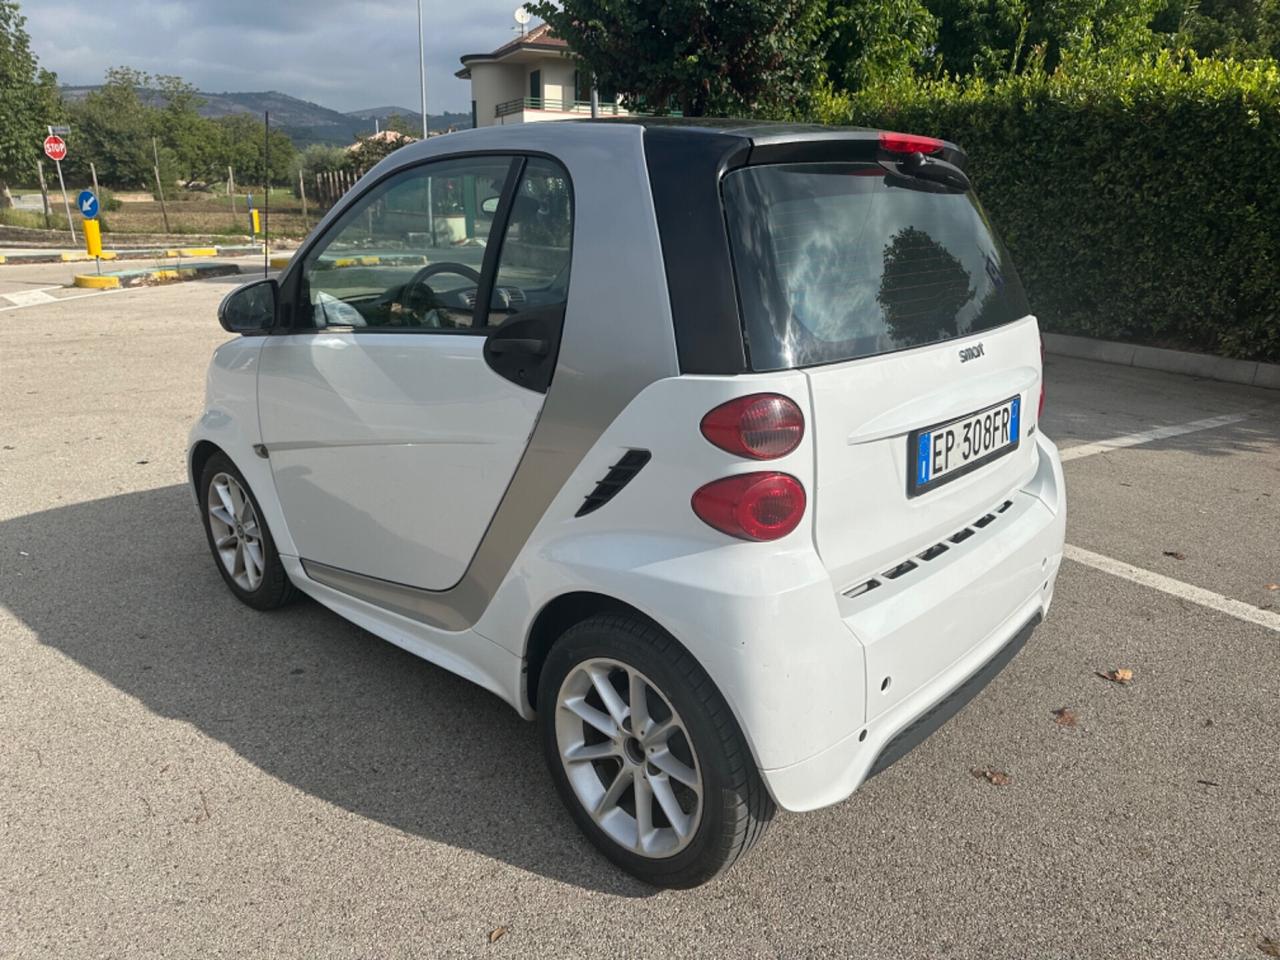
[(237, 535), (629, 758)]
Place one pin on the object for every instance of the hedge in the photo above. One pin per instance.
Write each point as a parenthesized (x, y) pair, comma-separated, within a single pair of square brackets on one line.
[(1140, 202)]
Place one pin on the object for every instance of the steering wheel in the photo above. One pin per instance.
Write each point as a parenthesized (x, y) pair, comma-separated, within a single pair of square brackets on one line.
[(408, 293)]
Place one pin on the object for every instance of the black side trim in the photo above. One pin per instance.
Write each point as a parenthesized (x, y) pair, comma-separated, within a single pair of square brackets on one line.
[(684, 176), (919, 730), (619, 475)]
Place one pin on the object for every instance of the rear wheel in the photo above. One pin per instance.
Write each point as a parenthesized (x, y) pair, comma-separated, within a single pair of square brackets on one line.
[(242, 546), (646, 754)]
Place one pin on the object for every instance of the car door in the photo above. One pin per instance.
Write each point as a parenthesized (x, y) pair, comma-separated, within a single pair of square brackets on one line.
[(396, 406)]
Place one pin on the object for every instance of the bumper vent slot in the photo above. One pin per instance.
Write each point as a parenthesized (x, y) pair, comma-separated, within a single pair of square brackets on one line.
[(937, 550), (619, 475), (932, 553), (862, 588), (905, 567)]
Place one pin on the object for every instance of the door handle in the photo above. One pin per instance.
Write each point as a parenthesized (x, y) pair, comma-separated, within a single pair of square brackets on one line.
[(529, 345)]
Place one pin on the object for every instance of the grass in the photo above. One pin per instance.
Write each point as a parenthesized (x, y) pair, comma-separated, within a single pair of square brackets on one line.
[(10, 217), (211, 215)]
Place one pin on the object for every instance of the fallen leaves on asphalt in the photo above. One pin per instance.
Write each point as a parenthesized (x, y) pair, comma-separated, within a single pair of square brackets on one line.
[(1270, 947), (1273, 586), (1063, 717), (997, 777), (1175, 554), (497, 933), (1122, 675)]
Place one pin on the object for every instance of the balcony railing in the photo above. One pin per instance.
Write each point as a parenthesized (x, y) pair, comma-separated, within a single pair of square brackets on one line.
[(555, 105)]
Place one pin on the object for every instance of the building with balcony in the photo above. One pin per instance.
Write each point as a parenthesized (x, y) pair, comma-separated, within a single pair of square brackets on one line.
[(534, 77)]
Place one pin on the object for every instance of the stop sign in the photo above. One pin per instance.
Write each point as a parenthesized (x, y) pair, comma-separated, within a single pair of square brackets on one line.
[(55, 148)]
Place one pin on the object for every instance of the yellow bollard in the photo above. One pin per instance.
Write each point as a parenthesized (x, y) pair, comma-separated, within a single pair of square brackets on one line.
[(253, 218), (93, 238)]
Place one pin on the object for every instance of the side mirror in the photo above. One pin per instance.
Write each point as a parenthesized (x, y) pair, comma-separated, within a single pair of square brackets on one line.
[(251, 308), (489, 206)]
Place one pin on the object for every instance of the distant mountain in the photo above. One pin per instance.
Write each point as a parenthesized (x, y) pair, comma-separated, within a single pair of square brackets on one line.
[(305, 122), (381, 113)]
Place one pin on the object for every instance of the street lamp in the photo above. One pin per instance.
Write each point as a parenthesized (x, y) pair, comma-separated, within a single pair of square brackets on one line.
[(422, 71)]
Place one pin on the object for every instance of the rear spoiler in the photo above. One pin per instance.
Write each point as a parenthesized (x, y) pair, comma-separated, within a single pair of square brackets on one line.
[(836, 144)]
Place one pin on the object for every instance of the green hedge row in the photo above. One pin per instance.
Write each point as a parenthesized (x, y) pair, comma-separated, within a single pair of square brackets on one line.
[(1140, 202)]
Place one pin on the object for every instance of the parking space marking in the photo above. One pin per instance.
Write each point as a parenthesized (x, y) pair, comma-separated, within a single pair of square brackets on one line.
[(78, 296), (29, 298), (1175, 588), (1147, 436)]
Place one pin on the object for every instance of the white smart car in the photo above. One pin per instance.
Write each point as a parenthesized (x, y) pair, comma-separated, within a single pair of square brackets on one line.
[(713, 446)]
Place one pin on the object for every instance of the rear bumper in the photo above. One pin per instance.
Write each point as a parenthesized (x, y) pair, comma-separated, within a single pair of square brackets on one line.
[(933, 643)]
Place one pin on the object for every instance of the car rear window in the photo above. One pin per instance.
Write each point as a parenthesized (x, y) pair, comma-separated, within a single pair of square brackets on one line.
[(836, 261)]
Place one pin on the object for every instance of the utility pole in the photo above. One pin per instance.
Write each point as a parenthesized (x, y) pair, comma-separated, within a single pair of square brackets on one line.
[(164, 211), (422, 71)]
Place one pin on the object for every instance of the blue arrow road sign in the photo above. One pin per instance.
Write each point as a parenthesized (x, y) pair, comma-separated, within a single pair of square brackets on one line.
[(88, 204)]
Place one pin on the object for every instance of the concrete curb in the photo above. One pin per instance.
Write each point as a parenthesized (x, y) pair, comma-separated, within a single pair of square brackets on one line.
[(143, 278), (152, 253), (1248, 372)]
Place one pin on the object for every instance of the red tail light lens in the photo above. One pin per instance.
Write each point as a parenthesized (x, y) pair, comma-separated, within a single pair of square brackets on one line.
[(909, 143), (752, 506), (763, 426)]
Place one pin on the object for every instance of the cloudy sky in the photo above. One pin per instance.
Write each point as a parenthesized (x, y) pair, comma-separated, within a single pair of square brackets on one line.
[(345, 55)]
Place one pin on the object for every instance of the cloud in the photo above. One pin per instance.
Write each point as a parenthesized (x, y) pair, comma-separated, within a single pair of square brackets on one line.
[(342, 55)]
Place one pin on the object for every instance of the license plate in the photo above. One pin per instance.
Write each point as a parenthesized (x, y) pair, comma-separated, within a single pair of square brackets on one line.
[(949, 450)]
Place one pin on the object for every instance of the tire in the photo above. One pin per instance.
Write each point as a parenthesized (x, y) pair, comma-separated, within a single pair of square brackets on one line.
[(250, 565), (691, 733)]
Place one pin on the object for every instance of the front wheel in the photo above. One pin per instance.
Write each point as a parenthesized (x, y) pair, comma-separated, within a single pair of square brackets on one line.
[(646, 755), (238, 536)]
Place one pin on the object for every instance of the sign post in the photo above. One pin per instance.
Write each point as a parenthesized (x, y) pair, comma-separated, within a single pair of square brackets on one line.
[(55, 148), (88, 204)]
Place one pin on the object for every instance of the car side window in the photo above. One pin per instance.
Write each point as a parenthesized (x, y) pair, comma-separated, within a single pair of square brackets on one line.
[(409, 255), (533, 268)]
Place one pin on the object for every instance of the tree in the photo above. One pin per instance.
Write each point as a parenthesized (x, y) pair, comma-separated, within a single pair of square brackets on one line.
[(29, 101), (1243, 29), (113, 128), (244, 150), (993, 38), (874, 41), (703, 57)]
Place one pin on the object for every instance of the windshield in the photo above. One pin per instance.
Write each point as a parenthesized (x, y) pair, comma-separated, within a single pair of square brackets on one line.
[(836, 261)]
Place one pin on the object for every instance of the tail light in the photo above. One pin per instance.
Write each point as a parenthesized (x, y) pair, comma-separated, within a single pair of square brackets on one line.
[(1040, 409), (752, 506), (909, 143), (763, 426)]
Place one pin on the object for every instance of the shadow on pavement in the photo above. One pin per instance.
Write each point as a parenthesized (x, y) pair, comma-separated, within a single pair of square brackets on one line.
[(125, 587)]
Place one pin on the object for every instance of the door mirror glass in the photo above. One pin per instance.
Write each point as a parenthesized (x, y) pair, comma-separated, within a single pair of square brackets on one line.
[(250, 309), (489, 206)]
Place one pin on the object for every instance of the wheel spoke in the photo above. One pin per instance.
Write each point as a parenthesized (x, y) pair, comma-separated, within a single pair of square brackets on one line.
[(638, 694), (253, 563), (225, 541), (660, 733), (609, 799), (224, 497), (237, 568), (591, 751), (680, 821), (644, 813), (589, 714), (675, 768), (236, 496), (613, 702)]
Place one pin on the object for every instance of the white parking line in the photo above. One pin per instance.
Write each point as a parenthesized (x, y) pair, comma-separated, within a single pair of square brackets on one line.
[(1175, 588), (78, 296), (1146, 436), (29, 298)]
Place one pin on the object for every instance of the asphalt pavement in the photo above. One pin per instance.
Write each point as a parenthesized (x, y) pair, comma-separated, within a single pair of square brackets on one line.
[(181, 776)]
